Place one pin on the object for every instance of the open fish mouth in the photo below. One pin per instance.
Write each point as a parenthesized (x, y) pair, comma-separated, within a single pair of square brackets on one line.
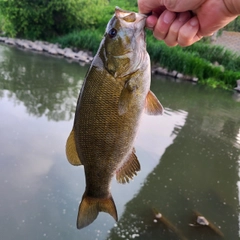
[(129, 16)]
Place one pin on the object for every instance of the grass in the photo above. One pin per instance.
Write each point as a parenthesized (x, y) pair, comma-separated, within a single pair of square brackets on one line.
[(84, 40), (196, 60)]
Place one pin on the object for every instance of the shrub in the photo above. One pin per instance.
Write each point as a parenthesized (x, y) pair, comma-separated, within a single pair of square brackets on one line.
[(44, 19)]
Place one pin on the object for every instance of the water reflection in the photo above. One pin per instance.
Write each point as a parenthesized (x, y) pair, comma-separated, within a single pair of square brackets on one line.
[(189, 158), (196, 173), (32, 79)]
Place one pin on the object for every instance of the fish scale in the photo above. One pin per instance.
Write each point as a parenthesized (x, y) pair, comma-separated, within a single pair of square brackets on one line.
[(107, 131)]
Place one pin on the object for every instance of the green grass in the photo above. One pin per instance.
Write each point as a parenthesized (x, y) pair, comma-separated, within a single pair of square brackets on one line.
[(197, 63), (85, 40), (196, 60), (213, 53)]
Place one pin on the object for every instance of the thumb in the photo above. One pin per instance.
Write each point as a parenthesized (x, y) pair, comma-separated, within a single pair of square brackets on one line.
[(149, 5), (146, 6)]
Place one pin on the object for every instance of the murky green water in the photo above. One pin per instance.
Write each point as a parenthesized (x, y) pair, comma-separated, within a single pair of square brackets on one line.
[(190, 158)]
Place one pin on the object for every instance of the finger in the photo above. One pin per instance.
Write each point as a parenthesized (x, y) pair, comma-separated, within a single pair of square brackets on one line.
[(151, 22), (163, 24), (172, 36), (188, 33), (147, 6), (153, 18)]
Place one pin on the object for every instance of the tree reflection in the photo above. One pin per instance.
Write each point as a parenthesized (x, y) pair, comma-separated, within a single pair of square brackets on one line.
[(45, 85)]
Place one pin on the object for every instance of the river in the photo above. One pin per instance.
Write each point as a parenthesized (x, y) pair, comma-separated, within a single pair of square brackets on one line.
[(190, 159)]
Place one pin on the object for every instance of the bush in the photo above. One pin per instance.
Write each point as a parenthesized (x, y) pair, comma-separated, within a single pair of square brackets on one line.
[(6, 26), (42, 19)]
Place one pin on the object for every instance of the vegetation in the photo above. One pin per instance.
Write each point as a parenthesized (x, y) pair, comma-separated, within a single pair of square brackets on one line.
[(234, 26), (214, 53), (196, 61), (80, 24), (85, 40), (44, 19)]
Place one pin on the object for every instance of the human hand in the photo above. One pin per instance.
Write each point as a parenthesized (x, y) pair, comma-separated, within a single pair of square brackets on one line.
[(184, 22)]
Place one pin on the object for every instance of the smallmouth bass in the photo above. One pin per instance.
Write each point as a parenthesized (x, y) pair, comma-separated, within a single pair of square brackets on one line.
[(114, 95)]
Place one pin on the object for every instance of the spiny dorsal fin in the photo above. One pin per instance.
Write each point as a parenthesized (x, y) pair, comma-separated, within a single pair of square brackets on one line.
[(71, 150), (128, 169), (90, 207), (153, 106)]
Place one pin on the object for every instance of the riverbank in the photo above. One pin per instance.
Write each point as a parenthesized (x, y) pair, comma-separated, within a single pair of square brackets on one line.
[(52, 49), (85, 57), (81, 56)]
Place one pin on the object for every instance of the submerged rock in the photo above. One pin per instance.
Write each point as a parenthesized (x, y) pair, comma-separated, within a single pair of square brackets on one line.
[(10, 41), (202, 221), (163, 220), (174, 73), (238, 86)]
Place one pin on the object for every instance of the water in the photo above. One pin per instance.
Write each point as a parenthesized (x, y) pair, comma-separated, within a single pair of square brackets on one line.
[(190, 158)]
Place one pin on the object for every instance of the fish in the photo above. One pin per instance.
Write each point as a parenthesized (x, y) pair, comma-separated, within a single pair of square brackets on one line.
[(114, 95)]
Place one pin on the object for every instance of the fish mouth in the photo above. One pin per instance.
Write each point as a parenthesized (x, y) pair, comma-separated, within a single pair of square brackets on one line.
[(129, 16)]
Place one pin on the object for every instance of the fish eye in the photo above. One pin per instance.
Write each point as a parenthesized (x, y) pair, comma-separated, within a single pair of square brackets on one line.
[(112, 33)]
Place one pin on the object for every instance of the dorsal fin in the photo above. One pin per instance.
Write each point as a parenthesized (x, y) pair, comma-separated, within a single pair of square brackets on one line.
[(130, 168), (71, 150), (153, 106)]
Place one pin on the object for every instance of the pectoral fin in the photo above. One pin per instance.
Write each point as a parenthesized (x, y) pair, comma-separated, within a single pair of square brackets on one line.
[(125, 100), (71, 150), (153, 106), (127, 96), (130, 168)]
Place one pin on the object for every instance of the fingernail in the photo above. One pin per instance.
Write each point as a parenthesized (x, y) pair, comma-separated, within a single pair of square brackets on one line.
[(168, 17), (151, 22), (194, 22), (150, 28)]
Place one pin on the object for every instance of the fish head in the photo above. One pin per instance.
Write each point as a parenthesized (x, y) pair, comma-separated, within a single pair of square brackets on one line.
[(124, 43)]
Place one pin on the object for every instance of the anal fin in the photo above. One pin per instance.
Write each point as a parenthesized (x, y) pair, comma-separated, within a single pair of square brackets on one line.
[(153, 106), (130, 168), (71, 150)]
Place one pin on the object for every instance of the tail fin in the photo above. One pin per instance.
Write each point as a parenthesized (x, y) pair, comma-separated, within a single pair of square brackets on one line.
[(90, 207)]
